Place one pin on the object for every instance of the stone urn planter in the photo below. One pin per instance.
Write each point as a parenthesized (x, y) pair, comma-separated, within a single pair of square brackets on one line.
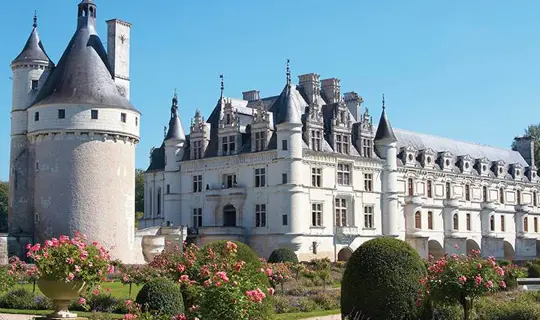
[(62, 294)]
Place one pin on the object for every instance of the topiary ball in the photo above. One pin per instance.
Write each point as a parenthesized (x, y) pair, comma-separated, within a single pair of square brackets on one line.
[(381, 281), (283, 255), (161, 296)]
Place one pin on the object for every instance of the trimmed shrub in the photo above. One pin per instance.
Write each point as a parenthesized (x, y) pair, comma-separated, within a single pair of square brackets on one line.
[(283, 255), (25, 300), (161, 296), (534, 271), (381, 281)]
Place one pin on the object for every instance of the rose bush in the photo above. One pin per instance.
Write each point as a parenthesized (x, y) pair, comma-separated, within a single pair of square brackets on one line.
[(461, 279)]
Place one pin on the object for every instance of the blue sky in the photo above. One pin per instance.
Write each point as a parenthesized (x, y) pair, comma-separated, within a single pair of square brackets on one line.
[(468, 70)]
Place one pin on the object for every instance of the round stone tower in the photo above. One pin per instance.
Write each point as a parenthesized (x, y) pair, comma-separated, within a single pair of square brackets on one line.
[(83, 132)]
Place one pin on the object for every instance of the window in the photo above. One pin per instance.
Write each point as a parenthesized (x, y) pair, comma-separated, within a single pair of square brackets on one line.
[(228, 118), (518, 196), (260, 177), (159, 202), (260, 215), (94, 114), (316, 177), (469, 222), (316, 214), (284, 219), (284, 145), (525, 224), (456, 221), (484, 194), (35, 84), (228, 144), (229, 180), (61, 113), (430, 220), (341, 212), (448, 191), (342, 143), (492, 223), (410, 189), (367, 148), (197, 217), (467, 192), (368, 182), (503, 225), (136, 121), (344, 174), (284, 179), (37, 165), (429, 189), (168, 188), (123, 117), (501, 195), (536, 224), (197, 149), (197, 183), (535, 198), (36, 116), (260, 141), (316, 140), (418, 220), (368, 217)]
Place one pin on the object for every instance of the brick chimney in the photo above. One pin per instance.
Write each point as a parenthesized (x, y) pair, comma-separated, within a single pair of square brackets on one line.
[(331, 90), (353, 102), (251, 95), (309, 83), (525, 146)]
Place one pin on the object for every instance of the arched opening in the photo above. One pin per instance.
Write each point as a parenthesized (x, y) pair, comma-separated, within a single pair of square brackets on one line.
[(492, 223), (418, 220), (455, 222), (92, 12), (525, 224), (344, 254), (471, 245), (158, 212), (430, 220), (229, 216), (509, 253), (435, 249)]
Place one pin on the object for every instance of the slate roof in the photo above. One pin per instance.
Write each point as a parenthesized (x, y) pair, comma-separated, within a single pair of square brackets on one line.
[(175, 130), (83, 75), (385, 133), (33, 50), (289, 106)]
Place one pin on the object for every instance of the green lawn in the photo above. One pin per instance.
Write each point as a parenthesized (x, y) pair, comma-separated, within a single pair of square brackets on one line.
[(118, 289), (305, 315), (47, 312)]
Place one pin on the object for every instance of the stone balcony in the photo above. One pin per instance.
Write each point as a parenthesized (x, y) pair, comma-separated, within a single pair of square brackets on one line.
[(525, 208), (235, 191), (414, 200), (347, 230), (452, 203), (488, 205)]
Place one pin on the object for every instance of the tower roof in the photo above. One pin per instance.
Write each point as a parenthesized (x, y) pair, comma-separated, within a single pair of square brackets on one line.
[(385, 134), (83, 74), (287, 106), (33, 49), (176, 131)]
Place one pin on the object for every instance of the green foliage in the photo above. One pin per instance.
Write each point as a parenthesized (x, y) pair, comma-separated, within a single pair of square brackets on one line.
[(161, 296), (7, 281), (101, 303), (283, 255), (322, 270), (511, 273), (23, 299), (4, 191), (534, 271), (381, 280), (509, 306), (533, 131), (139, 190)]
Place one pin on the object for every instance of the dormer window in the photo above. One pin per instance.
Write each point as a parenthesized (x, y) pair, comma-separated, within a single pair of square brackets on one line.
[(465, 164), (35, 84), (409, 156), (367, 147), (316, 140), (482, 166), (260, 141), (228, 145), (427, 156), (342, 143), (446, 160), (499, 169)]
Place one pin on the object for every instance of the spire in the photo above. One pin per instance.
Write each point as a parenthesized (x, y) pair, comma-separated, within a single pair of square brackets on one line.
[(33, 50), (176, 131), (384, 134), (286, 108), (222, 85)]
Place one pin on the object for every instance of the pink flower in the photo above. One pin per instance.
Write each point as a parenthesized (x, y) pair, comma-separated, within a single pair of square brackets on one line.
[(479, 266), (184, 278), (77, 268), (489, 284), (462, 279), (82, 300), (231, 246), (456, 246), (70, 277), (70, 260), (222, 275), (268, 272), (502, 284), (478, 280), (179, 317), (271, 291), (129, 303)]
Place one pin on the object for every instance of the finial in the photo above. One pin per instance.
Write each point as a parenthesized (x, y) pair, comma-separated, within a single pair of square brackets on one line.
[(383, 106), (174, 107), (222, 85), (164, 131), (288, 73), (35, 19)]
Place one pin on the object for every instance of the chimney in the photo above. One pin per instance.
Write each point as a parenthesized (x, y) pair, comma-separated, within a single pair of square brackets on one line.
[(353, 102), (250, 95), (118, 47), (525, 146), (331, 90), (309, 83)]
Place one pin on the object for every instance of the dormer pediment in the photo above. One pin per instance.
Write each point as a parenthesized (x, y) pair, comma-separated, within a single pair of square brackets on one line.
[(341, 116), (466, 163), (516, 170), (531, 173), (499, 168), (427, 156), (408, 155), (446, 160)]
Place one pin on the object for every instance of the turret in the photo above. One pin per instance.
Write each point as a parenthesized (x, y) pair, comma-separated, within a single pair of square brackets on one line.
[(385, 143), (174, 140)]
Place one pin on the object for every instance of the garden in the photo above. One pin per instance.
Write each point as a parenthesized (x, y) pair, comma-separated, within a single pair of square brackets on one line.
[(384, 279)]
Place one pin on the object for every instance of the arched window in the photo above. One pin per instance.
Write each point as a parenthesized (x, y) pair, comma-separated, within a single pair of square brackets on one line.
[(501, 195), (418, 220), (525, 224), (158, 212), (448, 191), (456, 221), (484, 194), (429, 189), (430, 220), (469, 222), (518, 195), (410, 186), (492, 223), (503, 224)]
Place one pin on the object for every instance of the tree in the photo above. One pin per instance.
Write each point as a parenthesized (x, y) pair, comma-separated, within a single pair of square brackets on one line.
[(139, 195), (533, 131), (4, 189)]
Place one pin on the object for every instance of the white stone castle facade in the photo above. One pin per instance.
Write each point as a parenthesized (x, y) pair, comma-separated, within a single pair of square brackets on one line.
[(73, 138), (307, 169)]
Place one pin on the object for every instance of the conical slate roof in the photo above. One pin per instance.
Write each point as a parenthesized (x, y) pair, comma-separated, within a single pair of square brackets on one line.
[(33, 50), (287, 106), (83, 74), (385, 134), (176, 131)]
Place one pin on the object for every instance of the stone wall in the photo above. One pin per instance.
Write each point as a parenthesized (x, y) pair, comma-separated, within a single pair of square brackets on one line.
[(3, 249)]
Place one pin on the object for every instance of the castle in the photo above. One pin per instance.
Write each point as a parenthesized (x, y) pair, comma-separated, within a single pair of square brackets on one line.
[(307, 169), (73, 138)]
